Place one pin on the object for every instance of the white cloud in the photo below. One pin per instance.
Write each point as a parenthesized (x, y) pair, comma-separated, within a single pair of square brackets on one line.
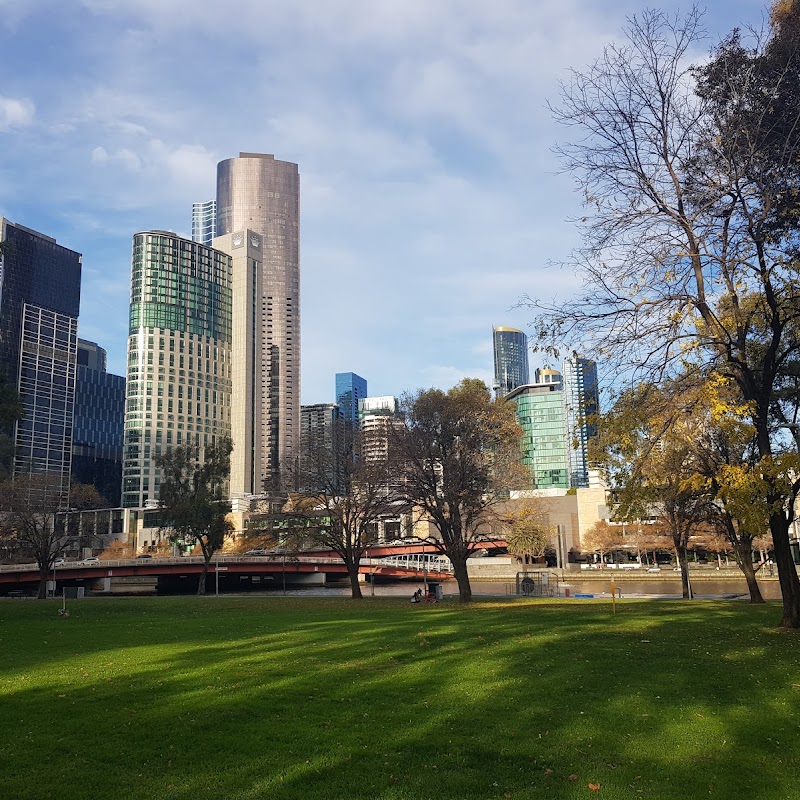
[(125, 157), (15, 112)]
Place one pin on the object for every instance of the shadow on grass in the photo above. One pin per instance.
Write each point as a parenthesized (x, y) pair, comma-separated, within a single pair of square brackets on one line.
[(253, 697)]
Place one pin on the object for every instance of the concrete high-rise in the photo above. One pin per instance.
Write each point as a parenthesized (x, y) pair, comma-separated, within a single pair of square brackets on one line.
[(510, 360), (40, 290), (258, 192), (248, 365), (204, 222), (179, 355), (350, 388), (581, 406)]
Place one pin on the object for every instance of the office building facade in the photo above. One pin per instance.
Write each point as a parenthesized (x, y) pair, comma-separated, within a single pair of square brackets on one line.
[(581, 407), (99, 423), (204, 222), (510, 347), (248, 365), (179, 355), (258, 192), (350, 389), (540, 414), (40, 284), (321, 447)]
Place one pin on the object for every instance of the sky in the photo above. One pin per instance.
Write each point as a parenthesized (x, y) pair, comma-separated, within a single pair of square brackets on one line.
[(431, 201)]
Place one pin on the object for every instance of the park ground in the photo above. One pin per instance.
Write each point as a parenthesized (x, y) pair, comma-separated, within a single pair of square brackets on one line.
[(286, 698)]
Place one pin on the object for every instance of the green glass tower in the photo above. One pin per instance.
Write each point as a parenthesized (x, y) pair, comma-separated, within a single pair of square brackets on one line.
[(179, 355), (540, 413)]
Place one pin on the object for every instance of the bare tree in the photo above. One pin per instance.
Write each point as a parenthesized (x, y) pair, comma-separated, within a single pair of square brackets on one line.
[(343, 488), (459, 454), (29, 508), (691, 226)]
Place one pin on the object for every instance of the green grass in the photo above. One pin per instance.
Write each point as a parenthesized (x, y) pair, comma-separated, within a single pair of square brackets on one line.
[(248, 697)]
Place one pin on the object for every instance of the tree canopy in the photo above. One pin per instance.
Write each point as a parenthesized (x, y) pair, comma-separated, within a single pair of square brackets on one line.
[(458, 454), (193, 497), (690, 231)]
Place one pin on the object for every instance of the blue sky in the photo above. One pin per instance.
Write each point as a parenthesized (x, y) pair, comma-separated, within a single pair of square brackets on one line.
[(430, 200)]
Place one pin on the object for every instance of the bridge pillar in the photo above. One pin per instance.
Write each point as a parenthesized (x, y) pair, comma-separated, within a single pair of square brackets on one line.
[(307, 579)]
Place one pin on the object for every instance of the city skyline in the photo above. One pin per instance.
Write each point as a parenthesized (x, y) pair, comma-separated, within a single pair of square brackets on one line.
[(431, 200)]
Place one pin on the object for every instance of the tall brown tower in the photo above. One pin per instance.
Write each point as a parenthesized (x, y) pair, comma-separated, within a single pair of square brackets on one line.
[(257, 192)]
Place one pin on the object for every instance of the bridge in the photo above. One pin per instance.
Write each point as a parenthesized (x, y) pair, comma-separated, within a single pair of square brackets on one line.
[(384, 562)]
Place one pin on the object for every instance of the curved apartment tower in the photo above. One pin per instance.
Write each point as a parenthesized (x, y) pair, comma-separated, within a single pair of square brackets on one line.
[(510, 360), (257, 192), (179, 355)]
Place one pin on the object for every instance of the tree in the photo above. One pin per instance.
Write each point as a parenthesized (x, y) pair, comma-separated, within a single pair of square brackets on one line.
[(29, 508), (345, 488), (647, 443), (458, 453), (602, 538), (527, 529), (192, 497), (729, 468), (691, 229)]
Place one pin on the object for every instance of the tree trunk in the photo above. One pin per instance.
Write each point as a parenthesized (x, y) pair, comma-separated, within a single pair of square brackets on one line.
[(683, 561), (43, 573), (355, 586), (787, 572), (744, 558), (461, 576), (201, 583)]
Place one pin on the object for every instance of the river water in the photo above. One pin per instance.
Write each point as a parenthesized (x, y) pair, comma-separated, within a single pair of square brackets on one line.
[(629, 588)]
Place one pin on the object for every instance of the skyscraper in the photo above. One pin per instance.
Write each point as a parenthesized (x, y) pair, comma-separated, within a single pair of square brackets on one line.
[(320, 447), (510, 360), (350, 388), (179, 355), (40, 289), (257, 192), (540, 414), (248, 364), (99, 423), (204, 222), (581, 406)]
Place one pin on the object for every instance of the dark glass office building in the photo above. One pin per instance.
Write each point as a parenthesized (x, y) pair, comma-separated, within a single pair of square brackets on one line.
[(40, 288), (510, 360), (350, 388), (581, 406), (99, 423)]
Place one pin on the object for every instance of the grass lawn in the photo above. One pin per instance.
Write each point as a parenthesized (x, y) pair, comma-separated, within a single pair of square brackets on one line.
[(253, 697)]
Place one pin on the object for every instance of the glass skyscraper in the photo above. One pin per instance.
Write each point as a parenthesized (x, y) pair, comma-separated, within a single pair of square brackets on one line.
[(540, 414), (40, 285), (510, 360), (581, 406), (179, 355), (350, 388), (99, 423), (204, 222), (258, 192)]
